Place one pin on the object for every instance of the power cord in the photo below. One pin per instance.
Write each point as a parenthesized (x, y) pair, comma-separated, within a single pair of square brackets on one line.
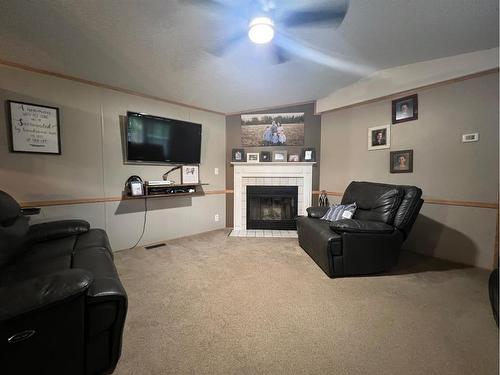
[(144, 222)]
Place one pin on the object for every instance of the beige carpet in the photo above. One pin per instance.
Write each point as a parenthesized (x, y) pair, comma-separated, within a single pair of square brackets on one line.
[(212, 304)]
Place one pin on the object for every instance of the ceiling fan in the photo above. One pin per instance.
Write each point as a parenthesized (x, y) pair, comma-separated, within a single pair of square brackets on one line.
[(265, 23)]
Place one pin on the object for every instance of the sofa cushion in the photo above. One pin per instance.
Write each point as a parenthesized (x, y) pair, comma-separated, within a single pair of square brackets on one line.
[(94, 238), (375, 202), (340, 211), (22, 270), (49, 249)]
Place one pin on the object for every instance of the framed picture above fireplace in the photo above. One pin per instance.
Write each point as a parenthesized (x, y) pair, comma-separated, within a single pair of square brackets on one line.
[(272, 129), (253, 157), (280, 156), (238, 154), (308, 154), (265, 156)]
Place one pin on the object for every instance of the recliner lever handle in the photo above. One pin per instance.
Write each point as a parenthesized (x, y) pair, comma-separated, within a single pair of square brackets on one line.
[(21, 336)]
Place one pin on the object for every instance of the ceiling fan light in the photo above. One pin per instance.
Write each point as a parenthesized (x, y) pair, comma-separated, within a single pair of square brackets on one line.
[(261, 30)]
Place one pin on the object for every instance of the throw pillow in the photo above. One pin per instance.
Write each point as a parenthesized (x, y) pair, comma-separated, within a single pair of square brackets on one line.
[(340, 211)]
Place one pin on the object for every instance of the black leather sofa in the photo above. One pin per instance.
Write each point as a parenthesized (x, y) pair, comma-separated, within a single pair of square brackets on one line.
[(62, 305), (493, 291), (371, 241)]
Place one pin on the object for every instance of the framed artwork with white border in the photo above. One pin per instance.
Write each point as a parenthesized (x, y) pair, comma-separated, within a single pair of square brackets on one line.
[(253, 157), (379, 137), (190, 174), (34, 128)]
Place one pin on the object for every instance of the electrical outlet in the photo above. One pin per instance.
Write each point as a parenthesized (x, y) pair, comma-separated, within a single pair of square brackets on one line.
[(216, 171), (473, 137), (216, 217)]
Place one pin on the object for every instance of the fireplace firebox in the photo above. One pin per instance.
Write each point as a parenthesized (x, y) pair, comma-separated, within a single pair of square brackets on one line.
[(271, 207)]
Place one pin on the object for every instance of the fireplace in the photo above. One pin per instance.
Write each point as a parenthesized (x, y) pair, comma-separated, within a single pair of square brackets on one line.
[(271, 207)]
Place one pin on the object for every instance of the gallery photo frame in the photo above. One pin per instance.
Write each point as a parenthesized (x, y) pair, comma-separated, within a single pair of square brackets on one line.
[(405, 109), (379, 137), (401, 161)]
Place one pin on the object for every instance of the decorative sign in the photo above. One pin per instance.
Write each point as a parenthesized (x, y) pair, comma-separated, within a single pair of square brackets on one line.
[(34, 128)]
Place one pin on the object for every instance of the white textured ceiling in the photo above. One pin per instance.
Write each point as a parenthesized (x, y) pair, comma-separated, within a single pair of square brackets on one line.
[(159, 47)]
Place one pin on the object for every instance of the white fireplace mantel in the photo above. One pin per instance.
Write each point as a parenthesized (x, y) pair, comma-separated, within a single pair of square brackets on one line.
[(273, 174)]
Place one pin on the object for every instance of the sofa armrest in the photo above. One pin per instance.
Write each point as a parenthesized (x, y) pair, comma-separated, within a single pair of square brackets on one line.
[(317, 212), (37, 293), (56, 229), (360, 226)]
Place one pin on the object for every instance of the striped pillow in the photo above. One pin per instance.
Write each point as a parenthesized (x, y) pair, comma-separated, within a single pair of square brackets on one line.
[(339, 212)]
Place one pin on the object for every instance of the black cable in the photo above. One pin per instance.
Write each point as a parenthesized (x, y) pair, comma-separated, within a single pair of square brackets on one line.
[(171, 170), (144, 223)]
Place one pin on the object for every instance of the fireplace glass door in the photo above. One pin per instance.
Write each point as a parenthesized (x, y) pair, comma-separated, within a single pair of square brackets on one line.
[(271, 207)]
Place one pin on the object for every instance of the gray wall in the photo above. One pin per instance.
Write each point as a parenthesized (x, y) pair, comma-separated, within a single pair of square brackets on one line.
[(312, 138), (444, 167), (91, 164)]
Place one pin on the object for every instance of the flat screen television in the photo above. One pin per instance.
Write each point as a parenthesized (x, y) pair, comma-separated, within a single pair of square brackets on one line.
[(158, 140)]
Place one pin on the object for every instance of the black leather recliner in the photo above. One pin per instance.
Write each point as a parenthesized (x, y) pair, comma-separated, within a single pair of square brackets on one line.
[(371, 241), (62, 305)]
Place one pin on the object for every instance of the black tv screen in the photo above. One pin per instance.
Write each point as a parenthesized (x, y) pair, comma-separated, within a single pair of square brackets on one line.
[(152, 139)]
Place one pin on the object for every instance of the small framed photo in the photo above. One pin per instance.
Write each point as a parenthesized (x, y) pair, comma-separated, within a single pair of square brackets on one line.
[(293, 158), (379, 137), (265, 156), (405, 109), (34, 128), (136, 188), (401, 161), (253, 157), (190, 174), (280, 155), (308, 154), (238, 154)]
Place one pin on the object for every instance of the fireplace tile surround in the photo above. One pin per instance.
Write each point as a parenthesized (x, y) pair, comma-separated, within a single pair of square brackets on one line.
[(273, 174)]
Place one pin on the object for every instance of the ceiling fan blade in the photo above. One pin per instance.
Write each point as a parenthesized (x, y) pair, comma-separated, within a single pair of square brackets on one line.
[(280, 56), (212, 4), (333, 15), (222, 47)]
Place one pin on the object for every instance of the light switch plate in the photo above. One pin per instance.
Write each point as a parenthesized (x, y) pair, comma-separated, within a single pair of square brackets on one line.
[(472, 137), (216, 171)]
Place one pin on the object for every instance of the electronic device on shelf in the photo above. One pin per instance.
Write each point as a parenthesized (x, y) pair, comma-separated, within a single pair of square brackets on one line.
[(169, 189), (159, 183)]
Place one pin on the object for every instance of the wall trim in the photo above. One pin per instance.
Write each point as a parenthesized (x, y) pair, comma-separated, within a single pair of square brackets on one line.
[(411, 91), (271, 108), (442, 202), (101, 85), (427, 200)]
